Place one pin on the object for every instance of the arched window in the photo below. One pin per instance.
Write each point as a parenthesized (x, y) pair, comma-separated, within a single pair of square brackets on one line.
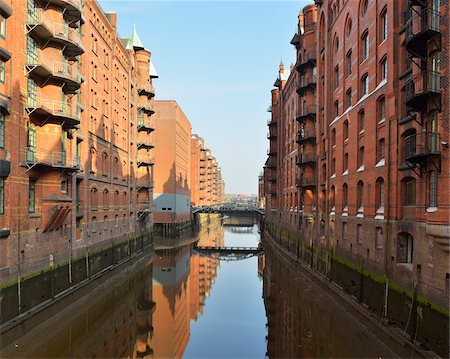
[(124, 199), (116, 220), (116, 167), (105, 223), (359, 233), (345, 197), (381, 109), (409, 191), (349, 63), (360, 196), (105, 199), (93, 199), (348, 27), (365, 85), (104, 163), (344, 230), (93, 159), (364, 7), (94, 224), (333, 137), (365, 46), (116, 199), (383, 25), (361, 118), (404, 248), (383, 68), (348, 98), (379, 198), (379, 238), (332, 198), (345, 130), (336, 44)]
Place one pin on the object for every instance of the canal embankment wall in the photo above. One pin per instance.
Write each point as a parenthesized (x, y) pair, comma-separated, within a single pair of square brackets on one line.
[(401, 311), (29, 293)]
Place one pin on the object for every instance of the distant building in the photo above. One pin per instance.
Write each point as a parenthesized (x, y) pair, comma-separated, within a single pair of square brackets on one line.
[(172, 201)]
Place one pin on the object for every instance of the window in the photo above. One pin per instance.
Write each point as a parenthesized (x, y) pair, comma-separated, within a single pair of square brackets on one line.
[(336, 44), (332, 198), (364, 7), (345, 162), (64, 186), (433, 189), (333, 137), (2, 72), (345, 130), (344, 230), (381, 110), (333, 166), (116, 221), (361, 117), (2, 130), (336, 108), (349, 63), (345, 197), (360, 195), (361, 157), (384, 25), (379, 199), (348, 29), (409, 191), (383, 68), (348, 97), (104, 163), (105, 223), (404, 248), (336, 77), (105, 198), (2, 196), (381, 149), (2, 27), (359, 234), (365, 46), (365, 85), (378, 238), (31, 196), (94, 224), (93, 199)]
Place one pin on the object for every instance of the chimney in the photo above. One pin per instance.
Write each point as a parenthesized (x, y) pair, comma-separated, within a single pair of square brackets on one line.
[(112, 17)]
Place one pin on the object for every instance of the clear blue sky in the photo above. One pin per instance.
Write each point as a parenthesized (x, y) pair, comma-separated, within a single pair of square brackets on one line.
[(218, 60)]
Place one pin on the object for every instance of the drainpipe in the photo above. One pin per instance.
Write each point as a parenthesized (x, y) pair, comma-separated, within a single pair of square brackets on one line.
[(387, 251)]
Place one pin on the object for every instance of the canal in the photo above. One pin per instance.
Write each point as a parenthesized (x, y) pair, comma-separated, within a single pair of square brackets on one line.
[(179, 303)]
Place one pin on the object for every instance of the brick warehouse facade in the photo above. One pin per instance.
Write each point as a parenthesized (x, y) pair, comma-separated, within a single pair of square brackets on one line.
[(207, 186), (76, 151), (372, 115)]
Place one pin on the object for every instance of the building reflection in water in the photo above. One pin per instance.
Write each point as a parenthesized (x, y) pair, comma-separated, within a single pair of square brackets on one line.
[(181, 284)]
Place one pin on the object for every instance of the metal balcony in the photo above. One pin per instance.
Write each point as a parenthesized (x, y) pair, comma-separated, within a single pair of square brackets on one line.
[(39, 25), (271, 134), (271, 152), (271, 123), (145, 143), (305, 135), (420, 147), (306, 182), (421, 88), (308, 60), (306, 159), (296, 40), (144, 183), (309, 112), (146, 89), (44, 70), (42, 111), (145, 161), (144, 124), (35, 157), (72, 9), (422, 27), (146, 108), (306, 82)]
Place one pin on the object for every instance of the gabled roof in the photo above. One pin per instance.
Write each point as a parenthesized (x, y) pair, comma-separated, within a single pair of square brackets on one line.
[(152, 71), (134, 42)]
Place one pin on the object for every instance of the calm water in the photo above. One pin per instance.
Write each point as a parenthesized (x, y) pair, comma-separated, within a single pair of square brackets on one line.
[(181, 304)]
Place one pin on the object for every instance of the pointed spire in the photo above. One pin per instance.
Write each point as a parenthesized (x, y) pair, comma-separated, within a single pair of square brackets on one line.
[(281, 66), (134, 42)]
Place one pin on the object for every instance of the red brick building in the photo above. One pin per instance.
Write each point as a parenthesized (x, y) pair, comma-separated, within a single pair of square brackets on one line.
[(373, 173), (75, 134)]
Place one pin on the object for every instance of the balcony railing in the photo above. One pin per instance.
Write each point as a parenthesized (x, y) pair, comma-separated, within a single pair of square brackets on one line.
[(146, 89), (39, 24), (62, 71), (145, 143), (421, 27), (44, 110), (144, 124), (145, 161), (419, 146), (307, 60), (420, 88), (306, 158), (144, 183), (305, 181), (36, 156), (306, 81), (308, 111), (308, 134)]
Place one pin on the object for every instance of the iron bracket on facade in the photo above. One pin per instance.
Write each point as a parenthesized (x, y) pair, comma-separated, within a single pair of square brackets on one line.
[(417, 170), (142, 214)]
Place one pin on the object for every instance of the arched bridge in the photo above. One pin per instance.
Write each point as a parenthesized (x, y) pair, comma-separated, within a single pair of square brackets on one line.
[(230, 211), (229, 253)]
